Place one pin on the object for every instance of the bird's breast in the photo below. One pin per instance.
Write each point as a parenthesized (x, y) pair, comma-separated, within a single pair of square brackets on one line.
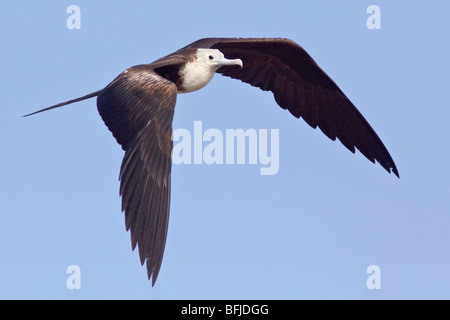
[(194, 76)]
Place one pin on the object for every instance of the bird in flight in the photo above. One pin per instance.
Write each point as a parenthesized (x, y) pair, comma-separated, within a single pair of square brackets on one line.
[(138, 108)]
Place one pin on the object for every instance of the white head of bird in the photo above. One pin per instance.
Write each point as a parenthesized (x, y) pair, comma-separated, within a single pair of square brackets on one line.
[(196, 74)]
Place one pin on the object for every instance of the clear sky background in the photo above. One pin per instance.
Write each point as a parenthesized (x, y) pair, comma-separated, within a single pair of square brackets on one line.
[(309, 232)]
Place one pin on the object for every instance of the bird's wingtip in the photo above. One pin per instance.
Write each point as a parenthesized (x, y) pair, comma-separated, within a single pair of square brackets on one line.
[(395, 171)]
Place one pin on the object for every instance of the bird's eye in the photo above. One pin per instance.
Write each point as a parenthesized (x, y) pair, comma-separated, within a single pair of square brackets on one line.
[(211, 57)]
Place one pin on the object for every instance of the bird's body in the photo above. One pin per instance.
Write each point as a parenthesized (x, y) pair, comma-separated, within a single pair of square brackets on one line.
[(138, 108)]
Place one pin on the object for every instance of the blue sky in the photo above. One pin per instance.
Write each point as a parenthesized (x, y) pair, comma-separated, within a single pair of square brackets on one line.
[(308, 232)]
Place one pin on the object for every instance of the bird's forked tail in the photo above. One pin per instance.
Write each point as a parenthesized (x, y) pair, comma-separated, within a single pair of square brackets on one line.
[(90, 95)]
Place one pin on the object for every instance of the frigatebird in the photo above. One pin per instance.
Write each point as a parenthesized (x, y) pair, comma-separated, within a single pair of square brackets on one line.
[(138, 108)]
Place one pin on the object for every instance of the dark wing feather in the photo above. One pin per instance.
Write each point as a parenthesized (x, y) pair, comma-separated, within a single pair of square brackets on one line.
[(302, 87), (138, 108)]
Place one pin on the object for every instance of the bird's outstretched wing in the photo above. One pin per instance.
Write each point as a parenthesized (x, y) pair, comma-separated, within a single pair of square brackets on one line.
[(302, 87), (138, 108)]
